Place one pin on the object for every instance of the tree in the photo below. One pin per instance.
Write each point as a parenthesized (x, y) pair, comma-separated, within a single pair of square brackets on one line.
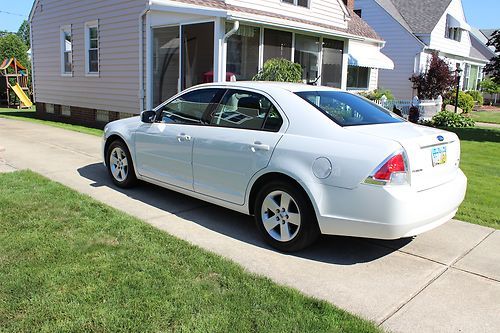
[(279, 69), (493, 68), (24, 33), (436, 81), (11, 46), (490, 87)]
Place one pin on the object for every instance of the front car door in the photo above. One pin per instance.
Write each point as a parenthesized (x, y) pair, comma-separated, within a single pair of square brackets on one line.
[(243, 132), (164, 148)]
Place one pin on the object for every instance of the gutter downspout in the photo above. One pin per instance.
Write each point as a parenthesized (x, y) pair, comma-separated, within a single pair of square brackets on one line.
[(141, 57), (231, 32)]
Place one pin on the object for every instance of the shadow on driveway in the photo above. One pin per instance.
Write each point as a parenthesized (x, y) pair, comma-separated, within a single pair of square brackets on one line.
[(329, 249)]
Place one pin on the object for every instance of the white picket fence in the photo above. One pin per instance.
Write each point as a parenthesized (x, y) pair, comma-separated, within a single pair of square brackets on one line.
[(427, 108)]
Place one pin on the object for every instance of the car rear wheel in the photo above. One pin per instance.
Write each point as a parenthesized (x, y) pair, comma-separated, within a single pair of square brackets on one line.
[(285, 217), (120, 166)]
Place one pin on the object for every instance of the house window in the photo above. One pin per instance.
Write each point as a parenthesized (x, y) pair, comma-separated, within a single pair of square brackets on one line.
[(243, 52), (277, 44), (331, 72), (307, 55), (357, 12), (358, 77), (66, 111), (49, 108), (66, 50), (465, 83), (453, 33), (301, 3), (102, 116), (92, 47)]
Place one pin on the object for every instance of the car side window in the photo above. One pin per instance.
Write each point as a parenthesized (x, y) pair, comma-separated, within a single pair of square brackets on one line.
[(190, 107), (247, 110)]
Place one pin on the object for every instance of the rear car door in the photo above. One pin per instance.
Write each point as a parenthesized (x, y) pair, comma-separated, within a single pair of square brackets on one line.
[(164, 148), (243, 132)]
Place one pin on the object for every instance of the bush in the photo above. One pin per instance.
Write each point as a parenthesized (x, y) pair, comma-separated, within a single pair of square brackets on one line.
[(477, 96), (281, 70), (465, 101), (450, 119), (377, 94), (437, 80)]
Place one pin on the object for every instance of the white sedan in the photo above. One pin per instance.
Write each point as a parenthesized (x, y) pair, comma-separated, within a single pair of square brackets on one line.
[(303, 160)]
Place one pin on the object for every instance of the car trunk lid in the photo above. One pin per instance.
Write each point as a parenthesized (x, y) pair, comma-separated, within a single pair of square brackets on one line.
[(433, 154)]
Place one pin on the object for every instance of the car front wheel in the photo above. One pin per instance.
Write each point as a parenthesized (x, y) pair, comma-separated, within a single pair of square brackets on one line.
[(120, 166), (285, 217)]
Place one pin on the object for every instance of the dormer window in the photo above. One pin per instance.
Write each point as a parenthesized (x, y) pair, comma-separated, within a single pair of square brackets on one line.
[(454, 28), (300, 3)]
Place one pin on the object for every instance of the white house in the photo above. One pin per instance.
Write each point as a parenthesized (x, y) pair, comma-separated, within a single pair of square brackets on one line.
[(99, 60), (413, 30)]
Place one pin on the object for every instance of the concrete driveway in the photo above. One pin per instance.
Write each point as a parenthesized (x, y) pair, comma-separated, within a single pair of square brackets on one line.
[(447, 280)]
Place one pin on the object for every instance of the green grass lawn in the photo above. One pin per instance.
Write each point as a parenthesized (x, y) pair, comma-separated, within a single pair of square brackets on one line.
[(69, 263), (481, 164), (29, 115), (486, 116)]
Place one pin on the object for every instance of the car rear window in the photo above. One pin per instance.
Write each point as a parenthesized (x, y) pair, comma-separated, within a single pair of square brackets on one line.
[(347, 109)]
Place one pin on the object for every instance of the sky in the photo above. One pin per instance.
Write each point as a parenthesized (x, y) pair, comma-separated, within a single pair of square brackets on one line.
[(483, 14)]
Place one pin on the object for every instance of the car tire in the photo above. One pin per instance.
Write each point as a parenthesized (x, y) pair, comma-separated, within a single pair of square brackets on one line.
[(120, 165), (285, 217)]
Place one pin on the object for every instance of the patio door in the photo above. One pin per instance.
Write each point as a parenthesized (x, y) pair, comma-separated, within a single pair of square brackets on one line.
[(183, 56)]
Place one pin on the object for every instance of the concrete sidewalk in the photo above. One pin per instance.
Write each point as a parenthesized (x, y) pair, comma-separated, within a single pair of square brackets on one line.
[(447, 280)]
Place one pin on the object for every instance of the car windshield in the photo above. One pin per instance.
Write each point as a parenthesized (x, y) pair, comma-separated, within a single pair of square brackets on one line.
[(347, 109)]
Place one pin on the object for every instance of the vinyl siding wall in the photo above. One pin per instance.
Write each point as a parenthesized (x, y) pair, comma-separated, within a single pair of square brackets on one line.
[(401, 46), (117, 86), (322, 11)]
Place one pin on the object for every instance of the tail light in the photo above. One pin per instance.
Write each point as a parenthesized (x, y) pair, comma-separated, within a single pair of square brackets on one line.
[(393, 170)]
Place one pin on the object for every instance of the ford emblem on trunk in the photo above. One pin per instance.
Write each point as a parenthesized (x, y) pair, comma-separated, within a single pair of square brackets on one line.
[(440, 138)]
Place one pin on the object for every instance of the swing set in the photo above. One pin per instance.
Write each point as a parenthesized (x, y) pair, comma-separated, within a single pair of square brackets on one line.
[(16, 79)]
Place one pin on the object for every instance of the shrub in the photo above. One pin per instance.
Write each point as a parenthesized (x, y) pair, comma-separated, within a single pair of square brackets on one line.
[(281, 70), (477, 96), (465, 101), (436, 81), (377, 94), (451, 119)]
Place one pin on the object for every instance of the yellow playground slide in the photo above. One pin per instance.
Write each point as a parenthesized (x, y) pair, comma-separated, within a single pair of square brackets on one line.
[(22, 96)]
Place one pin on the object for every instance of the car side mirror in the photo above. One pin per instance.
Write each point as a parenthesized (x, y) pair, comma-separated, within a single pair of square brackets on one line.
[(148, 116)]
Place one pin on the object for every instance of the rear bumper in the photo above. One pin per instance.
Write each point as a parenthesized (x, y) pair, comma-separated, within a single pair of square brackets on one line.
[(389, 212)]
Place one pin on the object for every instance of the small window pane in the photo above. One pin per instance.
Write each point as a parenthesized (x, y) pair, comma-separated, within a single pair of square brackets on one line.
[(67, 41), (93, 61), (277, 44), (93, 44), (93, 32), (243, 53), (68, 65), (241, 109), (358, 77), (303, 3), (288, 1), (189, 108)]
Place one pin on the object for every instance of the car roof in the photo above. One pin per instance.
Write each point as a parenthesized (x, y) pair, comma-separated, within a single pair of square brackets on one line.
[(266, 85)]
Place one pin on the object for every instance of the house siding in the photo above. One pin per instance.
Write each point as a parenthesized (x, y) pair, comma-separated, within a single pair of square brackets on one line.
[(117, 86), (401, 46), (321, 11)]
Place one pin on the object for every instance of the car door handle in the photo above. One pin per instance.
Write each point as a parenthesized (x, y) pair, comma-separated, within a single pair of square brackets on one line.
[(257, 145), (183, 137)]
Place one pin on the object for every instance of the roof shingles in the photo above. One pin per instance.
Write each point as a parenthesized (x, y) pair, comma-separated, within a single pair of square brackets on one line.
[(356, 26)]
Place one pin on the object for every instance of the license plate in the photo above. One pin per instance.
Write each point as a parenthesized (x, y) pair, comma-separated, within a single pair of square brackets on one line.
[(438, 155)]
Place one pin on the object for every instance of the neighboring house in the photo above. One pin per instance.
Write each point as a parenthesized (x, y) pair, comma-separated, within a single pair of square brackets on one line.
[(413, 30), (99, 60)]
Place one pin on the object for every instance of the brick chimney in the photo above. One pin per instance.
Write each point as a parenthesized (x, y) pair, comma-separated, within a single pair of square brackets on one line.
[(349, 4)]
